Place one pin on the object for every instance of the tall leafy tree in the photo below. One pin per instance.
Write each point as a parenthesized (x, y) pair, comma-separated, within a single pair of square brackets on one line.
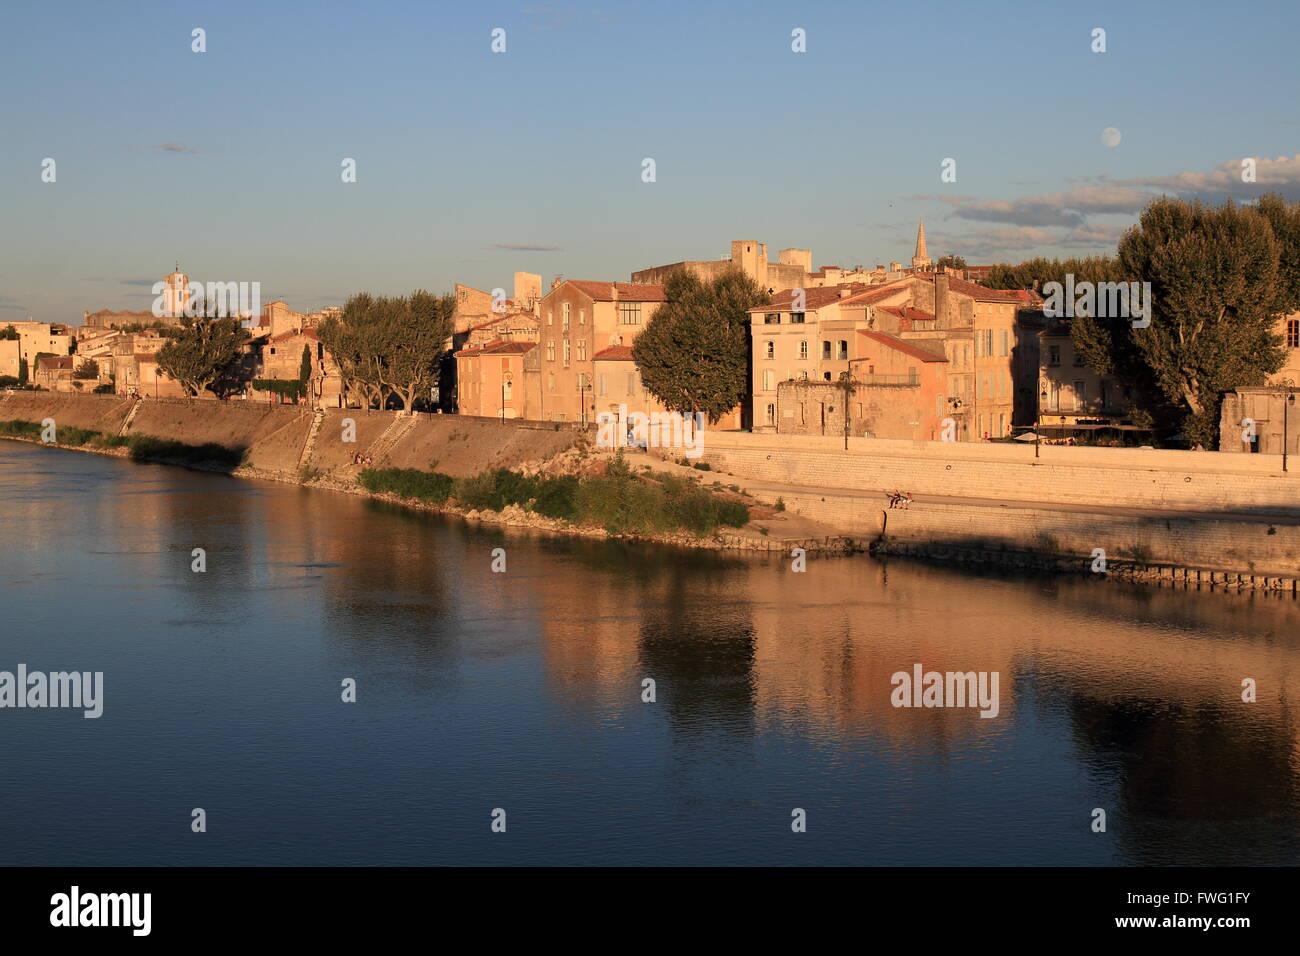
[(416, 331), (390, 346), (1217, 288), (354, 343), (202, 352), (693, 354)]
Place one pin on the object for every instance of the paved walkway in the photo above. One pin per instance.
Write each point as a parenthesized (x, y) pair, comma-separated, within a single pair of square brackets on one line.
[(769, 488)]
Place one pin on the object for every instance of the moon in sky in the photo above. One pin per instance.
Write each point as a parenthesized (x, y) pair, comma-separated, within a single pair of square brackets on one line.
[(1110, 136)]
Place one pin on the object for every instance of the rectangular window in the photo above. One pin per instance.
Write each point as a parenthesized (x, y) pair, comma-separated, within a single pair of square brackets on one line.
[(1053, 355), (550, 350), (772, 318), (1293, 334), (1080, 395), (629, 313), (582, 316), (582, 350), (796, 318), (1002, 341), (566, 353), (564, 319)]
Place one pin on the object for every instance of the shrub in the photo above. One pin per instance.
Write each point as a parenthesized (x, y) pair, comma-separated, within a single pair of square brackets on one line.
[(557, 498), (149, 448), (431, 486)]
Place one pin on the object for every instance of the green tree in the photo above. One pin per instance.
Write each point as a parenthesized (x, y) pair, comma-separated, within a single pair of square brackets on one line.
[(202, 352), (390, 346), (1217, 289), (22, 371), (415, 332), (88, 368), (304, 367), (1035, 273), (9, 334), (953, 262), (694, 353), (354, 343)]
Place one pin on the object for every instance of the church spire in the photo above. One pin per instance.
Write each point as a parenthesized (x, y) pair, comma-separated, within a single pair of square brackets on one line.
[(922, 258)]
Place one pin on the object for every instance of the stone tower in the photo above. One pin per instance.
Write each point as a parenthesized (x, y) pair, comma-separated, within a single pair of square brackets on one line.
[(920, 260), (176, 293)]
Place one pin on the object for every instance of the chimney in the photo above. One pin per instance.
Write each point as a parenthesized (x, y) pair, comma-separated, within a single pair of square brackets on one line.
[(613, 291)]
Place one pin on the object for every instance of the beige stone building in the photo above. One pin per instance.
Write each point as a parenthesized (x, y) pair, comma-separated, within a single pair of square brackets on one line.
[(1071, 396), (749, 256), (40, 338), (577, 320), (987, 388), (10, 358), (1266, 412)]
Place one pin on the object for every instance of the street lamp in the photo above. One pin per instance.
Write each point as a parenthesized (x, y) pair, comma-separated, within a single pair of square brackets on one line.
[(1286, 406)]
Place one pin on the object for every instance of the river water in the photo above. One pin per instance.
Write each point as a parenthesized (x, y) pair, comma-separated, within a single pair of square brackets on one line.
[(523, 691)]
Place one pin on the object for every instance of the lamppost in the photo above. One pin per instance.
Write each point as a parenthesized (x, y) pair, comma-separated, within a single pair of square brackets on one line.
[(1286, 406)]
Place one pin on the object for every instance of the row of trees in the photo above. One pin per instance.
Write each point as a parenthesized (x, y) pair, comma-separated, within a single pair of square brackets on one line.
[(1220, 277), (390, 346), (385, 347)]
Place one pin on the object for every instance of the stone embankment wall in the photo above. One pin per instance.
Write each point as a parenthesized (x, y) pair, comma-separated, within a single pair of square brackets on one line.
[(1107, 477), (1150, 511), (275, 436)]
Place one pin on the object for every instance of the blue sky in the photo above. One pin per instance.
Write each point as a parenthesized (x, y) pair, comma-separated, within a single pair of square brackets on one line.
[(472, 165)]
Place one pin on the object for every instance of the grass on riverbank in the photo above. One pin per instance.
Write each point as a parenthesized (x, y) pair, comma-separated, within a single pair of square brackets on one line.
[(620, 501), (140, 447)]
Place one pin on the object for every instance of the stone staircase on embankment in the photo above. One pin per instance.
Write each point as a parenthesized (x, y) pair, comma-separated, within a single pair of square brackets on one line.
[(130, 417), (402, 423), (309, 446)]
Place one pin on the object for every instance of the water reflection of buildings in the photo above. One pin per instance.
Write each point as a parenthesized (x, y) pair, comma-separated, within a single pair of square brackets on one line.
[(1147, 682)]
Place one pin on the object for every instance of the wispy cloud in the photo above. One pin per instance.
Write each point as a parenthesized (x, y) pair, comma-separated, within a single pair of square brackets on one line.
[(174, 148), (142, 282), (524, 247), (1066, 218)]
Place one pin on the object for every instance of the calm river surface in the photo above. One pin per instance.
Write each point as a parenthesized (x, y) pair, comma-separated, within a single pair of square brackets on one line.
[(522, 691)]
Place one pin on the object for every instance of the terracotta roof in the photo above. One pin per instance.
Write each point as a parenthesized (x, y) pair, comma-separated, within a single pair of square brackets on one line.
[(497, 347), (814, 298), (878, 293), (906, 312), (305, 333), (984, 294), (508, 348), (501, 318), (907, 348), (627, 291), (615, 353), (53, 362)]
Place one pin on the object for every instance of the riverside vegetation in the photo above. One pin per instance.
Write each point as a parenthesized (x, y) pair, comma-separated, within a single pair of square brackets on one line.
[(620, 501), (138, 447)]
